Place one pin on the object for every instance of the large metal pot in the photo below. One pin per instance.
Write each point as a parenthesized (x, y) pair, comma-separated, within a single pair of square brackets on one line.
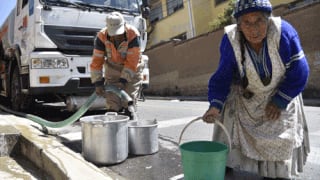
[(143, 137), (105, 138)]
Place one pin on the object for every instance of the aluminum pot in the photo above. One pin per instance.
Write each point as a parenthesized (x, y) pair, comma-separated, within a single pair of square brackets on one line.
[(143, 137), (105, 138)]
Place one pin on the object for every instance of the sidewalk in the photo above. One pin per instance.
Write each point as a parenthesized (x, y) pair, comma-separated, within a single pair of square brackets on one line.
[(45, 151)]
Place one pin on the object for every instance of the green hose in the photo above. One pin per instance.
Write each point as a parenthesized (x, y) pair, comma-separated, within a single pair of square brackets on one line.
[(67, 121), (44, 123)]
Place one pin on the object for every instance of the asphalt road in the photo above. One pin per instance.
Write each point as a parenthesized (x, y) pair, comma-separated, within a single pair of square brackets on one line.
[(172, 117)]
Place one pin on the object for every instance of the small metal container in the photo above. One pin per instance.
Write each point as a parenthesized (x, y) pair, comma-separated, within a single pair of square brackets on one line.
[(105, 138), (143, 137)]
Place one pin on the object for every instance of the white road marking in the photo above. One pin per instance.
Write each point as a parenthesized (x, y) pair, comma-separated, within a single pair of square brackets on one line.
[(316, 133), (177, 177), (314, 156), (175, 122)]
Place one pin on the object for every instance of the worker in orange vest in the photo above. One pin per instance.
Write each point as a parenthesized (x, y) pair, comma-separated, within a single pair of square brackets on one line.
[(117, 48)]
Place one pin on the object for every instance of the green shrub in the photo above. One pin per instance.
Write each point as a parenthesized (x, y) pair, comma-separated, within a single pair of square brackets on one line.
[(223, 19)]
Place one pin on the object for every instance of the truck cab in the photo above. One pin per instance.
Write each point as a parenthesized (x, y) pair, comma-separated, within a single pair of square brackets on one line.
[(46, 48)]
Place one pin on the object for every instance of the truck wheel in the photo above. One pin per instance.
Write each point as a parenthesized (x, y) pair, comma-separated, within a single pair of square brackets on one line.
[(19, 101)]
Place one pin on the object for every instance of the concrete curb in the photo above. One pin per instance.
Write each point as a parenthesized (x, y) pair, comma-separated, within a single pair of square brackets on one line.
[(8, 139), (54, 158)]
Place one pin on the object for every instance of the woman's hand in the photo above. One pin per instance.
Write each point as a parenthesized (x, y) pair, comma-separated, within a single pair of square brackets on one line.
[(272, 111), (210, 115)]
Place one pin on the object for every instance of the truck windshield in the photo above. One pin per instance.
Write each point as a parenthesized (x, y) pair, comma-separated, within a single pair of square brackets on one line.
[(131, 6)]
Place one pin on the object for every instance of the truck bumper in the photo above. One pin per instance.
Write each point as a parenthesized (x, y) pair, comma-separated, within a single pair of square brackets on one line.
[(76, 86), (73, 78)]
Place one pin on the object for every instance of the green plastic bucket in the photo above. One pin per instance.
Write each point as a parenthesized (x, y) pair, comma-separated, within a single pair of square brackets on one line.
[(204, 160)]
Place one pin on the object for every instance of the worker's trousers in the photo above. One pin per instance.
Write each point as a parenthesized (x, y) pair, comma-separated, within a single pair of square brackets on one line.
[(112, 76)]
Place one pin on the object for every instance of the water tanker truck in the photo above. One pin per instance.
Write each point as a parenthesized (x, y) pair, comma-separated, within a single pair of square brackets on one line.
[(46, 48)]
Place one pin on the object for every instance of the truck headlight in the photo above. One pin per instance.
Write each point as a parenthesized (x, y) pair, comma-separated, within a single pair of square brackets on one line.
[(49, 63)]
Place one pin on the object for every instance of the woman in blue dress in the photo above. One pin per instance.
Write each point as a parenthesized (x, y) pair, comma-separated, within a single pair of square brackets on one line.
[(256, 93)]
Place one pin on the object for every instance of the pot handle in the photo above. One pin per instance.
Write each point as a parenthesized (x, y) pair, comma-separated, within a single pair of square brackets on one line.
[(111, 114), (216, 122)]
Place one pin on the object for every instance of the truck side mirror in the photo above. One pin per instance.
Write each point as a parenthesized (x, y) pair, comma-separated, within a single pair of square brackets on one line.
[(145, 11), (145, 8)]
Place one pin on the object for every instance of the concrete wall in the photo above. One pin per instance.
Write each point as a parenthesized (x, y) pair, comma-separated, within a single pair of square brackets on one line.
[(204, 12), (306, 22), (184, 68)]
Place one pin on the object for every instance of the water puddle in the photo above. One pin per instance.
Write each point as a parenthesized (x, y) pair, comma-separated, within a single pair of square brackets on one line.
[(18, 167), (13, 165)]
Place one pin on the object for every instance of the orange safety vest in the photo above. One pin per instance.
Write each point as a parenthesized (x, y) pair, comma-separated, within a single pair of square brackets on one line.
[(125, 58)]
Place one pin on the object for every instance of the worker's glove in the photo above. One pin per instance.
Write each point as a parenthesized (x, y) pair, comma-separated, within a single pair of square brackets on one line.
[(100, 88), (122, 83), (100, 91)]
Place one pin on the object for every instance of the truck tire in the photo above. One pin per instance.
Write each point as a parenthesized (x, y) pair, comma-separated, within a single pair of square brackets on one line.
[(19, 101)]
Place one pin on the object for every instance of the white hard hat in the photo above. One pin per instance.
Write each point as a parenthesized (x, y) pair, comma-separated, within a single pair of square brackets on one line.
[(115, 23)]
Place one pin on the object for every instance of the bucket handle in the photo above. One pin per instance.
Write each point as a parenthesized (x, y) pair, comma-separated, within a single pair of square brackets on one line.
[(216, 122)]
